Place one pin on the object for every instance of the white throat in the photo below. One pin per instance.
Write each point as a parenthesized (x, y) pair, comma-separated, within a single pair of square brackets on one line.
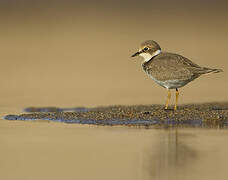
[(148, 56)]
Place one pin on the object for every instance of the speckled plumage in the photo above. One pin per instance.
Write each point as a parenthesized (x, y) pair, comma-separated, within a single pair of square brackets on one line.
[(169, 67), (171, 71)]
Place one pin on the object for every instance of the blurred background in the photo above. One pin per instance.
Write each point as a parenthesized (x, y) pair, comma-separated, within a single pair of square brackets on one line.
[(77, 53)]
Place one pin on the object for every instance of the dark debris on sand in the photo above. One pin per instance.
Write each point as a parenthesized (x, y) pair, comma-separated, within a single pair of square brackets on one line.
[(208, 114)]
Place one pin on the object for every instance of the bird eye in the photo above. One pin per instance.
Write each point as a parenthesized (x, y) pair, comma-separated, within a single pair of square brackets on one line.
[(146, 48)]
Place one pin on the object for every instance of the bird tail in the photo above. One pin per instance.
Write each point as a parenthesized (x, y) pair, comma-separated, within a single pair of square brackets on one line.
[(209, 70), (205, 70)]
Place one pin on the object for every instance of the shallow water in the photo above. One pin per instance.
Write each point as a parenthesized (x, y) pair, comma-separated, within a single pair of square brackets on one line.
[(49, 150), (71, 54)]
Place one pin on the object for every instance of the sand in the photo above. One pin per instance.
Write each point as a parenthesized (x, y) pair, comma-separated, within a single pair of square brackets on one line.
[(206, 115)]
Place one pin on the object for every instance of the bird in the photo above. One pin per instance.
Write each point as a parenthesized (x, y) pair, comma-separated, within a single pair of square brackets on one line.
[(169, 70)]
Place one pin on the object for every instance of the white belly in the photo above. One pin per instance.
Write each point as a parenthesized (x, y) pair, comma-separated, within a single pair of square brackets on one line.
[(170, 84)]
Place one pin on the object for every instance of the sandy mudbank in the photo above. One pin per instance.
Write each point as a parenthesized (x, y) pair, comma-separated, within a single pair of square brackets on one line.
[(204, 115)]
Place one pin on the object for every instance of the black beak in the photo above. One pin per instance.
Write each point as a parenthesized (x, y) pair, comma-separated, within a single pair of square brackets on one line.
[(136, 54)]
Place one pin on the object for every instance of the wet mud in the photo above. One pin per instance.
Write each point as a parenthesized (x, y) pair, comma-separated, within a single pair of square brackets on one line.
[(203, 115)]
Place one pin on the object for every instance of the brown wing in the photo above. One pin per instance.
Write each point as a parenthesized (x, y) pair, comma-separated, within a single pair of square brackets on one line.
[(168, 66)]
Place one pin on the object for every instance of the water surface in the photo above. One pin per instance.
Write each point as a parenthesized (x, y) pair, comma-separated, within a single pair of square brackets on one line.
[(49, 150), (71, 54)]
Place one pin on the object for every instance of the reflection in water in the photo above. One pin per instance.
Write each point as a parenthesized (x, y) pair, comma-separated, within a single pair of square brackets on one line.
[(170, 156), (69, 151)]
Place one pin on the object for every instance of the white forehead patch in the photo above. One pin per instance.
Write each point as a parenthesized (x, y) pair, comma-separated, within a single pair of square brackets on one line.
[(148, 56)]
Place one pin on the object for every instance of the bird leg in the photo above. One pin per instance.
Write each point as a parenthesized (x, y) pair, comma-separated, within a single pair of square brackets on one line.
[(177, 95), (168, 99)]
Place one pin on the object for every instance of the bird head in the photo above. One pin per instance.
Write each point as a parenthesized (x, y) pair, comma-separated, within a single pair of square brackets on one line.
[(148, 49)]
